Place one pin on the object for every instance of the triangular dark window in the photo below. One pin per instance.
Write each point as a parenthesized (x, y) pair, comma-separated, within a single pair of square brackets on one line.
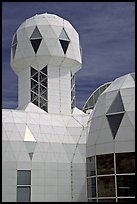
[(64, 45), (117, 105), (133, 76), (14, 49), (114, 122), (44, 70), (64, 40), (15, 39), (35, 44), (36, 34)]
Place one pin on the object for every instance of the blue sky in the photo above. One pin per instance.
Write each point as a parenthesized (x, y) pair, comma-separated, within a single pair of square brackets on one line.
[(107, 37)]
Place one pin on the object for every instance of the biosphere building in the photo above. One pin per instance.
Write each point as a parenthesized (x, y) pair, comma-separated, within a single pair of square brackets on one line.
[(51, 150)]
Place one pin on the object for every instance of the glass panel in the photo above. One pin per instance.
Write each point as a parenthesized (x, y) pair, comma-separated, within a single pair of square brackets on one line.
[(45, 108), (91, 187), (125, 162), (35, 44), (126, 185), (42, 101), (106, 200), (96, 95), (33, 96), (133, 76), (42, 89), (14, 49), (129, 200), (106, 186), (117, 105), (114, 122), (15, 39), (91, 166), (35, 77), (42, 77), (35, 102), (33, 83), (63, 35), (35, 89), (64, 45), (33, 71), (91, 102), (44, 70), (105, 164), (23, 177), (44, 82), (44, 95), (23, 194), (92, 200), (36, 34)]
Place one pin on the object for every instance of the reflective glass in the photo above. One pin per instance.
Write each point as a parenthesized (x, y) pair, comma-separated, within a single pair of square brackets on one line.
[(126, 185), (105, 164), (23, 194), (125, 162), (91, 166), (106, 200), (117, 105), (114, 122), (91, 187), (129, 200), (36, 34), (23, 177), (64, 45), (106, 186), (35, 44), (44, 70)]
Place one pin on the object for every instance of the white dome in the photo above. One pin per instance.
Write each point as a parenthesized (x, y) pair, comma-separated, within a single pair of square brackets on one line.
[(45, 39), (112, 125)]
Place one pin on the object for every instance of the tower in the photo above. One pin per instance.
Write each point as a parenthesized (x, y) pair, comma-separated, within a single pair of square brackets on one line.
[(46, 54)]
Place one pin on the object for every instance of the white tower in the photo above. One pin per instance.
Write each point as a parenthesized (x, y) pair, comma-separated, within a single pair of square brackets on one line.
[(45, 55)]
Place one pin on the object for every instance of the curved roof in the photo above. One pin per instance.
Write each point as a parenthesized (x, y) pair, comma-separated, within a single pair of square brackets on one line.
[(91, 101)]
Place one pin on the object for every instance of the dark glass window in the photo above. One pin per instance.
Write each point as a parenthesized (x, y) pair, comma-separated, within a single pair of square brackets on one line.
[(64, 40), (92, 200), (106, 200), (39, 87), (125, 162), (91, 187), (114, 122), (105, 164), (35, 44), (117, 105), (14, 50), (129, 200), (24, 177), (23, 185), (64, 45), (73, 98), (23, 194), (106, 186), (36, 39), (126, 185), (91, 166)]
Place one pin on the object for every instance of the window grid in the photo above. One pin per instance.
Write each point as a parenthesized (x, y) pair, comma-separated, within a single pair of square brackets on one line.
[(39, 88), (23, 185), (115, 175), (73, 98)]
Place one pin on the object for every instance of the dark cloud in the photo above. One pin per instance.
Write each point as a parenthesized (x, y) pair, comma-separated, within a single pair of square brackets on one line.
[(107, 36)]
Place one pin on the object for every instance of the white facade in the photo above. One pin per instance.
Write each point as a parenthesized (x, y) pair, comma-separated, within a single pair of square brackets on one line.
[(46, 135), (47, 140)]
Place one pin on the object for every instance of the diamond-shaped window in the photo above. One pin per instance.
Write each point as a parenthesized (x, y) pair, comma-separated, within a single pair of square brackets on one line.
[(36, 39), (114, 122), (64, 40)]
